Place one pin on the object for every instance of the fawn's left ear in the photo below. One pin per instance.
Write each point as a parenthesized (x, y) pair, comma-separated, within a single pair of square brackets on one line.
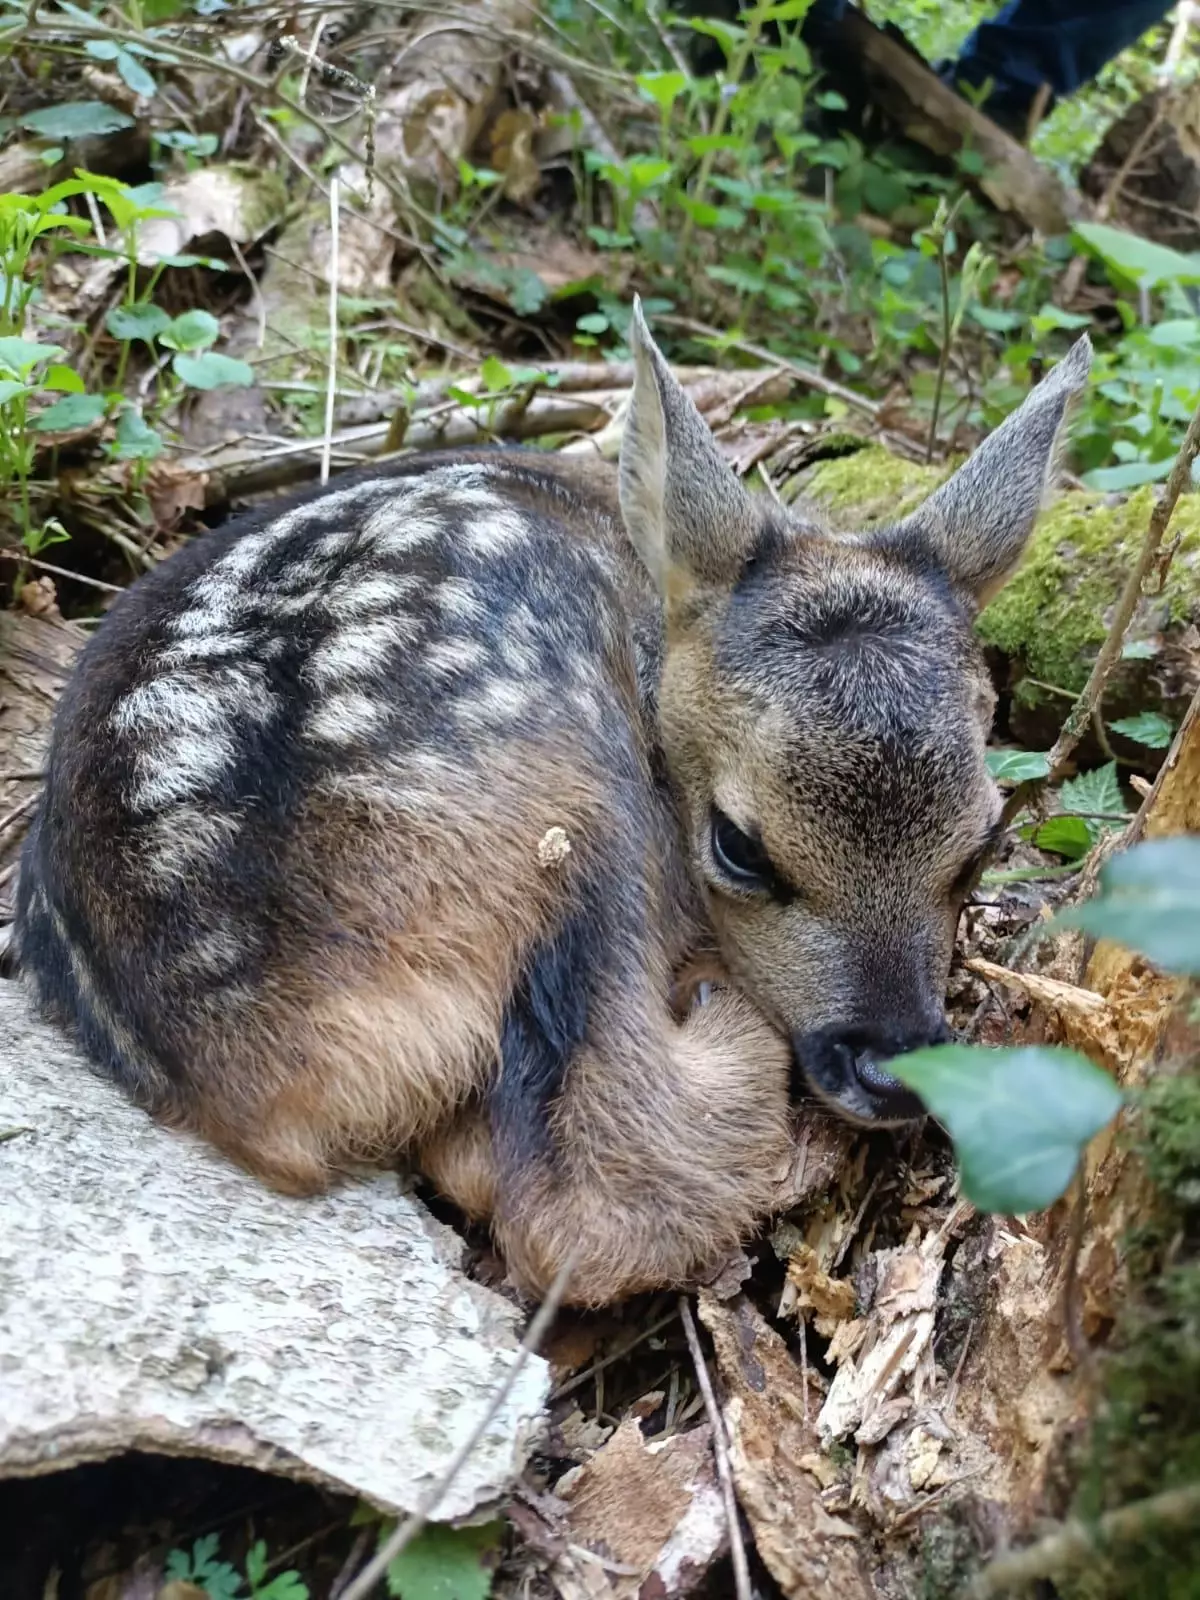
[(976, 526), (685, 509)]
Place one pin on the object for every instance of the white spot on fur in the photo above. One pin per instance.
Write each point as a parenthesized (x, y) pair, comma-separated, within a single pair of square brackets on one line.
[(215, 952), (520, 657), (179, 767), (457, 598), (398, 530), (500, 531), (450, 658), (344, 718), (501, 700), (365, 651), (185, 842), (376, 591)]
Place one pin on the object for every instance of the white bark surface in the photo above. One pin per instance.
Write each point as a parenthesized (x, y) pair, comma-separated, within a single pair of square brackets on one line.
[(154, 1297)]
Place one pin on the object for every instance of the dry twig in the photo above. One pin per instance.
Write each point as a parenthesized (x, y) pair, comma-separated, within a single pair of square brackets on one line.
[(737, 1549)]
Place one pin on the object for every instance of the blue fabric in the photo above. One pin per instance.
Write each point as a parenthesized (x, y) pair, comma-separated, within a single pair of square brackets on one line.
[(1063, 43)]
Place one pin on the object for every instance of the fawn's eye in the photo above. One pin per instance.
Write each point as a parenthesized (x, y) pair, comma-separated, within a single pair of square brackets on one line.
[(740, 857)]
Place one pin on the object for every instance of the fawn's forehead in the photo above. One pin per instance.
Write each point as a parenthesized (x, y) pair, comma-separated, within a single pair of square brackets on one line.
[(864, 685)]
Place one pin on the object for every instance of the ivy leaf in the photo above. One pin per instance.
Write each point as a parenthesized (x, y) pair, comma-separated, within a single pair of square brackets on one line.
[(76, 119), (141, 321), (191, 330), (1019, 1118), (212, 371), (1017, 766), (1149, 901), (76, 411), (1065, 836), (1146, 728), (447, 1564)]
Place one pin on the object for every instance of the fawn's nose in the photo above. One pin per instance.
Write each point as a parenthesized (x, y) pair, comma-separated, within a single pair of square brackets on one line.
[(850, 1065)]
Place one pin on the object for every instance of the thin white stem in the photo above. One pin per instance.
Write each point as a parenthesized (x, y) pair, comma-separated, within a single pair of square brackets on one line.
[(331, 383)]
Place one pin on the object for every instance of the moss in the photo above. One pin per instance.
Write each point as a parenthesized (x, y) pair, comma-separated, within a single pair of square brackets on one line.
[(1053, 615)]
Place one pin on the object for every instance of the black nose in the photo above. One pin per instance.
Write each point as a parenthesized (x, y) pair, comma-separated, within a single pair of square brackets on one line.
[(850, 1066)]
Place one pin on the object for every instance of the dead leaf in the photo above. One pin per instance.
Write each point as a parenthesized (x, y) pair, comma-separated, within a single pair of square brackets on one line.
[(810, 1554), (512, 143), (650, 1512), (39, 598)]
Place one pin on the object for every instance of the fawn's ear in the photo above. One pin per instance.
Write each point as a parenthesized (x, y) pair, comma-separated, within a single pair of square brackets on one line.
[(976, 526), (685, 510)]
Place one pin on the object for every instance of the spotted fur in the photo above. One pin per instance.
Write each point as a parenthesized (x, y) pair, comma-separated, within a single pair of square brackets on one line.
[(288, 885)]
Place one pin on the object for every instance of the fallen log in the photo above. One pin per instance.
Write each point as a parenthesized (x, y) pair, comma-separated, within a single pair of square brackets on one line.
[(158, 1299)]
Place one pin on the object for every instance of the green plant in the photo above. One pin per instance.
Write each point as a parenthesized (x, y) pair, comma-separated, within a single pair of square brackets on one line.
[(1019, 1119), (221, 1581)]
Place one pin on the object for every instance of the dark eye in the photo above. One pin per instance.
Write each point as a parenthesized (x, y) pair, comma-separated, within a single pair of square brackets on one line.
[(740, 857)]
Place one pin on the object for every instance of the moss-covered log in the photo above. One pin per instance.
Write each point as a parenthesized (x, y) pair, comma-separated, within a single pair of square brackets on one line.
[(1044, 629)]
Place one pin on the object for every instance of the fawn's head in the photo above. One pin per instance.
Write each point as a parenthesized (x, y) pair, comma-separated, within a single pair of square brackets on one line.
[(824, 709)]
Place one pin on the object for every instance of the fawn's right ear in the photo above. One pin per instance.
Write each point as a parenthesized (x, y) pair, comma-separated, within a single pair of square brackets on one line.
[(685, 510)]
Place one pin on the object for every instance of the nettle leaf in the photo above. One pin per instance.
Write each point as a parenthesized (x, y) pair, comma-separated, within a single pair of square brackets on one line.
[(76, 411), (1149, 901), (1097, 790), (76, 119), (1019, 1118), (447, 1564), (212, 371), (141, 321), (1065, 836), (1146, 728), (1017, 766), (191, 330)]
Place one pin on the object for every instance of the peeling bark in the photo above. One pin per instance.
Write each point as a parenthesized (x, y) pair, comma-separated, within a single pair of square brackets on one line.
[(157, 1298)]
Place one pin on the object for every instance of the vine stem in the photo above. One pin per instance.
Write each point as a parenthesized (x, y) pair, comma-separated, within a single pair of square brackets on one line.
[(736, 70)]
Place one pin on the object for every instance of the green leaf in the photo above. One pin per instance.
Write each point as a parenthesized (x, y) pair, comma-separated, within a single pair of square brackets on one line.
[(1146, 728), (211, 371), (1130, 476), (496, 376), (447, 1564), (594, 322), (62, 380), (1065, 836), (10, 388), (1138, 650), (135, 439), (191, 330), (1149, 901), (1017, 766), (76, 411), (20, 356), (664, 88), (134, 75), (75, 119), (1019, 1118), (1097, 790), (1128, 255), (140, 321)]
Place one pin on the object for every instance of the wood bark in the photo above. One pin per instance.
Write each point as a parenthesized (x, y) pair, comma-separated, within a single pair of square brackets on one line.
[(157, 1298)]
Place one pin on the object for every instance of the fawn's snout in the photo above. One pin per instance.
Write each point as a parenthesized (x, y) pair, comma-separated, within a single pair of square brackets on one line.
[(848, 1067)]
